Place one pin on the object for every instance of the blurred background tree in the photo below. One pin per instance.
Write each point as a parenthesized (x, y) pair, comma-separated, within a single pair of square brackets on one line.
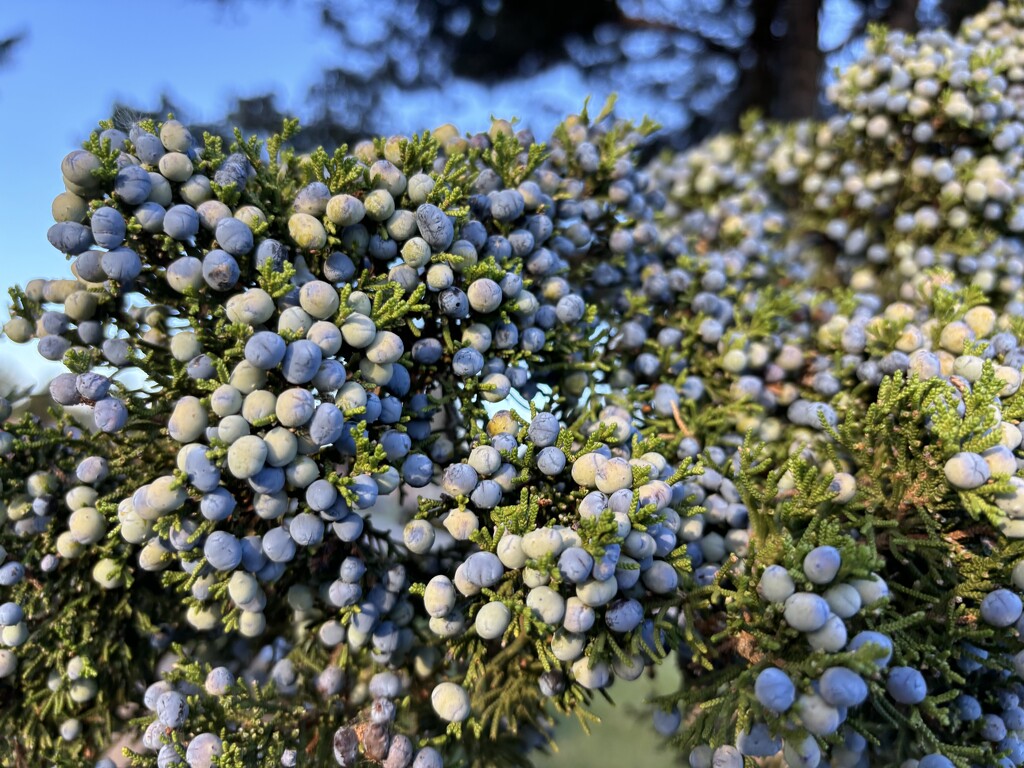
[(703, 62), (7, 45)]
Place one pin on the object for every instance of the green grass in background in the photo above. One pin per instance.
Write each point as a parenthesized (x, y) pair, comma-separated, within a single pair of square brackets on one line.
[(625, 737)]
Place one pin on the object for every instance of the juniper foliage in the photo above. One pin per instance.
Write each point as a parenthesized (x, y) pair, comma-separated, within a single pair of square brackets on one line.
[(390, 454)]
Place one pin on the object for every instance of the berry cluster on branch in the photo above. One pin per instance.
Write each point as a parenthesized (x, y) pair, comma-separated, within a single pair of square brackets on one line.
[(386, 456)]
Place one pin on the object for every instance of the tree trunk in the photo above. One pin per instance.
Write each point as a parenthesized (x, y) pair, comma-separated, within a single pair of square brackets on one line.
[(798, 61), (755, 89), (902, 14), (958, 10)]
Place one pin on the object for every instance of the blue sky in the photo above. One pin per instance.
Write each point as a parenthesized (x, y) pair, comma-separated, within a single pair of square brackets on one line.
[(79, 58)]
